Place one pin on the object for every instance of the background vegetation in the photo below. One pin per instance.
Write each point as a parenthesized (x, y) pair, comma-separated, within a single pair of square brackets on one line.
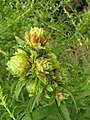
[(67, 24)]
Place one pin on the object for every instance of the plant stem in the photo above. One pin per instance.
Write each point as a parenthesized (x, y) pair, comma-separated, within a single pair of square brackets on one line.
[(11, 115), (31, 116), (3, 53)]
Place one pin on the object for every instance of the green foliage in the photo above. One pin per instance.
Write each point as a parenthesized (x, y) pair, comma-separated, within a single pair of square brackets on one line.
[(66, 23)]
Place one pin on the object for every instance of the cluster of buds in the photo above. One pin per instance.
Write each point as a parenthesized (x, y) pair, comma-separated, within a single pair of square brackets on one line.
[(39, 64), (60, 96)]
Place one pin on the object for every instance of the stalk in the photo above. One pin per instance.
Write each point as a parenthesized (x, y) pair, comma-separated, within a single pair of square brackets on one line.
[(4, 104)]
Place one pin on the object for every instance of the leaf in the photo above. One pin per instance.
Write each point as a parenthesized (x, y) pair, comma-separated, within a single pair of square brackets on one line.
[(32, 102), (19, 41), (42, 79), (4, 53), (56, 116), (87, 114), (27, 117), (19, 86), (84, 94), (41, 88), (49, 88), (46, 113), (33, 56), (0, 93), (74, 101), (46, 95), (65, 111), (20, 115)]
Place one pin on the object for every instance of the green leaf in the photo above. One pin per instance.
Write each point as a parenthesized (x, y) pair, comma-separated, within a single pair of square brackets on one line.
[(19, 41), (20, 115), (33, 56), (27, 117), (87, 114), (19, 86), (46, 95), (56, 116), (49, 88), (42, 79), (84, 94), (65, 111), (41, 88), (0, 93), (32, 102), (74, 101), (46, 113), (4, 53)]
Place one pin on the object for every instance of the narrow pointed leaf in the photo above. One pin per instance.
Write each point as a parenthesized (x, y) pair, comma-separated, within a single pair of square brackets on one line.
[(32, 102), (19, 41), (19, 86), (65, 111)]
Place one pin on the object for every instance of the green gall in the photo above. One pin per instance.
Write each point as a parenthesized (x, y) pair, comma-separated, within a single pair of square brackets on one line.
[(39, 66), (36, 38), (31, 87), (18, 64)]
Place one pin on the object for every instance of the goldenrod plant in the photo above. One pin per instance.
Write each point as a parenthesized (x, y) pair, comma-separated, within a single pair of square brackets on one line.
[(36, 61), (38, 69)]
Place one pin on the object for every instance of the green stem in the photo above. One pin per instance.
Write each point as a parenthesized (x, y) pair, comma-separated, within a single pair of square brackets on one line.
[(72, 98), (3, 53), (31, 116), (11, 115)]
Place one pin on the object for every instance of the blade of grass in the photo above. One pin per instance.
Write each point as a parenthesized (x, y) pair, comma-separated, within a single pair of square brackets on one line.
[(3, 53)]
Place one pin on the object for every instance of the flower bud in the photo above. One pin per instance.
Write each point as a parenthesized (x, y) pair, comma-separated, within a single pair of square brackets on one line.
[(60, 96)]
